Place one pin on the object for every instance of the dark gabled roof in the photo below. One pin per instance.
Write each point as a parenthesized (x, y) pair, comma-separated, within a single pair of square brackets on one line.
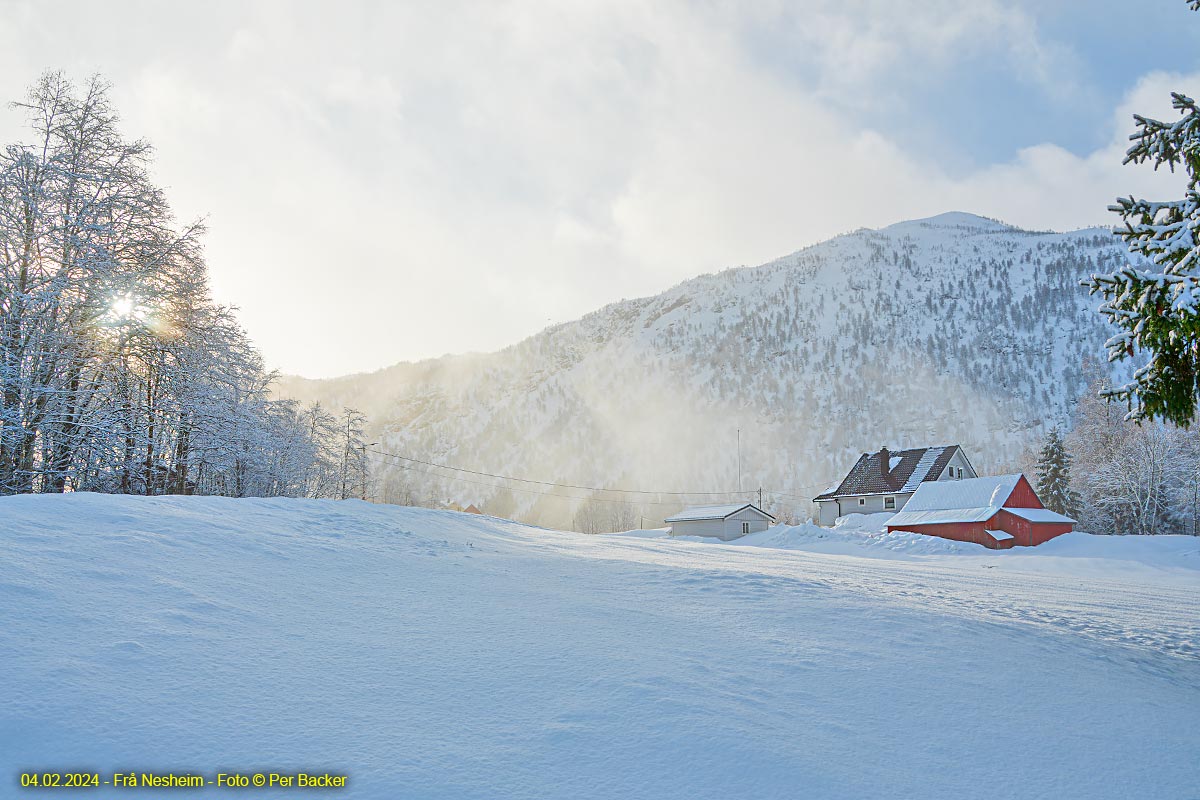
[(911, 468)]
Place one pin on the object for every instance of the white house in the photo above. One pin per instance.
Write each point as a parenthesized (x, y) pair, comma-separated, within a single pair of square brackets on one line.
[(722, 522), (883, 481)]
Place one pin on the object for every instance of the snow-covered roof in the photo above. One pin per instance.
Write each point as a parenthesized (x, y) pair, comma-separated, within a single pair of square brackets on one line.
[(942, 515), (1039, 515), (922, 470), (970, 500), (714, 512), (904, 471), (972, 493), (1000, 536)]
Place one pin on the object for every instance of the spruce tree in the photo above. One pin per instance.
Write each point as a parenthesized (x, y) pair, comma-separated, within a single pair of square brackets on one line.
[(1054, 476), (1155, 303)]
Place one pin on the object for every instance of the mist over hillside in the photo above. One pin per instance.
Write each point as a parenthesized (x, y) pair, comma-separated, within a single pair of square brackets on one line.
[(953, 329)]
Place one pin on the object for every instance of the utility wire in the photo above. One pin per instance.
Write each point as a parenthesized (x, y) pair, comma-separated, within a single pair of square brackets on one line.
[(530, 491), (794, 494), (552, 483)]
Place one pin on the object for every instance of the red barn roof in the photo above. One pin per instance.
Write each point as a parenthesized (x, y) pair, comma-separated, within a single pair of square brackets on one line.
[(997, 511)]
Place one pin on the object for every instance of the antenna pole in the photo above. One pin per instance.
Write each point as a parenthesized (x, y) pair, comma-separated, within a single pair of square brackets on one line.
[(739, 438)]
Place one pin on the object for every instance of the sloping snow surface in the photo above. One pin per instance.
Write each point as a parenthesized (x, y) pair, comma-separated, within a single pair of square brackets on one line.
[(439, 655), (991, 491), (706, 512)]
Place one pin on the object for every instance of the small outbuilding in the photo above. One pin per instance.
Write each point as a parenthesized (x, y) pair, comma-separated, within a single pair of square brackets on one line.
[(997, 512), (721, 522)]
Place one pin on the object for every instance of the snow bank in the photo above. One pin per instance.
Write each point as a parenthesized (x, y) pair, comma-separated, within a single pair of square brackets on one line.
[(432, 654), (1119, 557), (866, 535), (854, 534), (643, 533)]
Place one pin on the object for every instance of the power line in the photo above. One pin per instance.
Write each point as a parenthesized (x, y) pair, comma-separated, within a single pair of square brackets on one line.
[(529, 491), (794, 493), (552, 483)]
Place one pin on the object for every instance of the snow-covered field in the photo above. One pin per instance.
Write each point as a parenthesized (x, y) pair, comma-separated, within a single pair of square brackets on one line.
[(866, 535), (433, 654)]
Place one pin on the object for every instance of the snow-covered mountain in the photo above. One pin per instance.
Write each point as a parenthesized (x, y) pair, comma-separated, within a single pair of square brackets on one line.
[(953, 329)]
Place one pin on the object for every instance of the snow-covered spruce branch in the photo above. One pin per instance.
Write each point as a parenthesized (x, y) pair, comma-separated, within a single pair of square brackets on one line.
[(1155, 301)]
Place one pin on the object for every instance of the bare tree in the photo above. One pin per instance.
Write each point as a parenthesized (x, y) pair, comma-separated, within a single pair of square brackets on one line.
[(591, 517), (622, 515), (118, 372), (1131, 477), (353, 453)]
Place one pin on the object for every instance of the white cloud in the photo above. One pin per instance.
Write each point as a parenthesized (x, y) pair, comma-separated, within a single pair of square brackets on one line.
[(859, 48), (396, 181)]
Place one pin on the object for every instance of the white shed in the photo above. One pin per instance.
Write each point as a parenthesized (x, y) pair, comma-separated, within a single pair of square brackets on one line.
[(722, 522)]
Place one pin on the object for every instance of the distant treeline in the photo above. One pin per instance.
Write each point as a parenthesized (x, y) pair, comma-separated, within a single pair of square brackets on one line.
[(118, 371), (1131, 478)]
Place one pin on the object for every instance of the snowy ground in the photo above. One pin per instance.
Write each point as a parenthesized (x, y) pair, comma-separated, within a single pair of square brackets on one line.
[(431, 654), (1158, 557)]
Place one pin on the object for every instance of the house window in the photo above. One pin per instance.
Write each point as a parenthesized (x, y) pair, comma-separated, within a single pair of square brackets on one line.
[(745, 528), (889, 502), (960, 472), (862, 501)]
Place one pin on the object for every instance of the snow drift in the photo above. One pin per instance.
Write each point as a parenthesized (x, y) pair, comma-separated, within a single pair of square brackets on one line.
[(866, 535), (438, 655)]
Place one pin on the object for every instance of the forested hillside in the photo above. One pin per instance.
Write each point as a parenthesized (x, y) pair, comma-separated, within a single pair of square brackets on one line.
[(954, 329)]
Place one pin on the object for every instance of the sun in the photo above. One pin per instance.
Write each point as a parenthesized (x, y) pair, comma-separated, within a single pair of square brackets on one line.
[(125, 308), (122, 307)]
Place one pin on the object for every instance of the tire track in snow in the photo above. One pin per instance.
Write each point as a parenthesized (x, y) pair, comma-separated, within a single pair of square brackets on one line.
[(1159, 619)]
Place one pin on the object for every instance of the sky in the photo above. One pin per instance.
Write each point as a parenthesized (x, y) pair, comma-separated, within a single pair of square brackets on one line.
[(388, 181)]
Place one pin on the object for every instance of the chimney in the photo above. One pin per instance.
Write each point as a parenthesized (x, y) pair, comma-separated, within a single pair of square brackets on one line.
[(885, 464)]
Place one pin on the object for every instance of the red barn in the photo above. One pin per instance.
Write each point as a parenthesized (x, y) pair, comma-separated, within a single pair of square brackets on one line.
[(997, 512)]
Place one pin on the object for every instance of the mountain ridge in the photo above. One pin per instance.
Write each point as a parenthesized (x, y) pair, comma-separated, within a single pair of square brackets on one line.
[(933, 221), (954, 328)]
